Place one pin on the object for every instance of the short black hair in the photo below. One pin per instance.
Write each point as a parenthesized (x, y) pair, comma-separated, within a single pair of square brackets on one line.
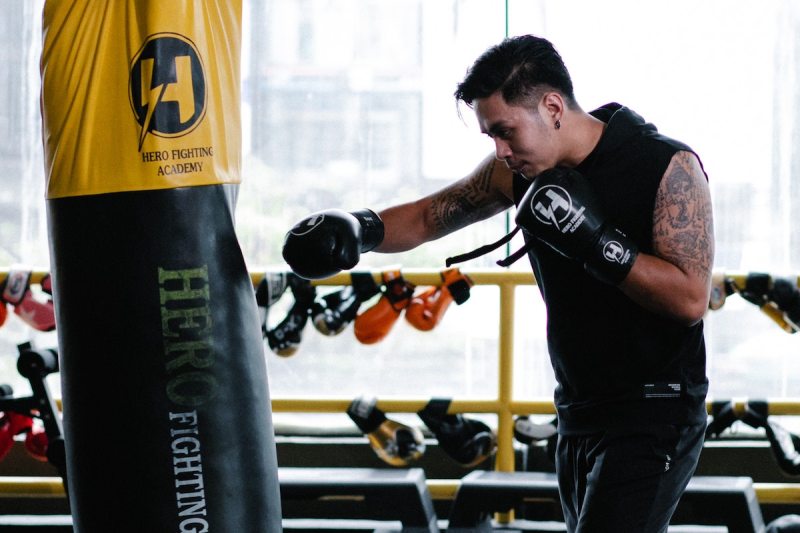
[(522, 68)]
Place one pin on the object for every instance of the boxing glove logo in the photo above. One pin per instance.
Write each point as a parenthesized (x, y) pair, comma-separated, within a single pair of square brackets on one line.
[(307, 226), (551, 205), (613, 251)]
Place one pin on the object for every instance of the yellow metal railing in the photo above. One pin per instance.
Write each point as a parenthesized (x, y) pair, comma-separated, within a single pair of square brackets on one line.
[(504, 405)]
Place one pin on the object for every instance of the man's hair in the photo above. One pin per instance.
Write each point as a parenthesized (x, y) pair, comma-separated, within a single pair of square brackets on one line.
[(523, 68)]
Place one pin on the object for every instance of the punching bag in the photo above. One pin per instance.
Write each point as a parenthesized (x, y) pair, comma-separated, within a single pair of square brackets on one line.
[(166, 404)]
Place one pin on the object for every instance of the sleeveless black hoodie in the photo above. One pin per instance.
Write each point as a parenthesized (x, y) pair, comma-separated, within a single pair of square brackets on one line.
[(616, 363)]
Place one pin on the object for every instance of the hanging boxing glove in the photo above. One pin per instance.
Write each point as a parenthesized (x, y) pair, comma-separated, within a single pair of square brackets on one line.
[(723, 415), (720, 290), (527, 432), (395, 443), (329, 241), (560, 209), (757, 288), (784, 444), (426, 309), (284, 339), (786, 295), (469, 442), (6, 437), (47, 284), (269, 291), (336, 310), (376, 322), (18, 423), (38, 314), (15, 285), (36, 443)]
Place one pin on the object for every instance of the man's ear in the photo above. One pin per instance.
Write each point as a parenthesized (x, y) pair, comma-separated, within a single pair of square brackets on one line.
[(552, 106)]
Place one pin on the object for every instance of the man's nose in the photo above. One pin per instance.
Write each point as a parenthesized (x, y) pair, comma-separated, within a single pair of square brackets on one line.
[(501, 149)]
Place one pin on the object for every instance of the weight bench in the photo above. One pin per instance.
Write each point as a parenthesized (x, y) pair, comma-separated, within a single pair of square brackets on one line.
[(708, 500), (357, 494), (316, 499)]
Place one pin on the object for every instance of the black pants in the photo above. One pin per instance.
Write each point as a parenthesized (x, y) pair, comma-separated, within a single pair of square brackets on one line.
[(626, 480)]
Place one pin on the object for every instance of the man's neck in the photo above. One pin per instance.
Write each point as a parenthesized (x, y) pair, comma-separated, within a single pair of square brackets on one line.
[(584, 133)]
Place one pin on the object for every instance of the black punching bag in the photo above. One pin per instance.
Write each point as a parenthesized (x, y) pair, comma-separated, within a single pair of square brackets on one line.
[(166, 404)]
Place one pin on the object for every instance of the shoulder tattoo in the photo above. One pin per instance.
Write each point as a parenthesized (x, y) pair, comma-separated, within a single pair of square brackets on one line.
[(683, 231)]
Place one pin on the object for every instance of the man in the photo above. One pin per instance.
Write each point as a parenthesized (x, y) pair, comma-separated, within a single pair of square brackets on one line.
[(618, 229)]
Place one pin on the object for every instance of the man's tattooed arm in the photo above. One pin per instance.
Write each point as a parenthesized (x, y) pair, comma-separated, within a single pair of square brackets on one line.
[(470, 200), (683, 232), (675, 280), (477, 196)]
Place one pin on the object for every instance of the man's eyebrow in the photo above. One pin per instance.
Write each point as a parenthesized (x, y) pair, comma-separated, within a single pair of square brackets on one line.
[(495, 128)]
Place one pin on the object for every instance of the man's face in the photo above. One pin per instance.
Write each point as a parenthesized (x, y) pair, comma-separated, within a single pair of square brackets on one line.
[(521, 137)]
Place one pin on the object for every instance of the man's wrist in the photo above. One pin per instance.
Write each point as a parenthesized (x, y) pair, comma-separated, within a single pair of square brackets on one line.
[(372, 230)]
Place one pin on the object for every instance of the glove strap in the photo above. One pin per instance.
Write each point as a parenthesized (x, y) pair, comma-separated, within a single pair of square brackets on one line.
[(457, 284), (365, 414), (271, 288), (612, 257), (372, 228), (757, 287), (16, 285), (364, 285), (483, 250)]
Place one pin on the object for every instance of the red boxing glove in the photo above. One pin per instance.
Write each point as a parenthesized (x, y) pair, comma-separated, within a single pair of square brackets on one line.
[(47, 284), (18, 423), (40, 315), (6, 439), (37, 314), (36, 443)]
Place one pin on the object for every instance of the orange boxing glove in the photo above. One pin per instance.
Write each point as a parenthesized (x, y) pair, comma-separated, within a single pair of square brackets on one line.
[(427, 308), (376, 322)]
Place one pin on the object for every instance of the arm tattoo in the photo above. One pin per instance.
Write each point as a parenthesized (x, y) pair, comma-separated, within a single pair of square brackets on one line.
[(682, 220), (466, 201)]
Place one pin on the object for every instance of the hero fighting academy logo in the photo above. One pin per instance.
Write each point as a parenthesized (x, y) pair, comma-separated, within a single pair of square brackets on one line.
[(167, 86), (551, 205)]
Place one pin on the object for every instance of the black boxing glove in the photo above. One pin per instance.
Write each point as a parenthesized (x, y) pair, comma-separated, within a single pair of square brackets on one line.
[(329, 241), (560, 209), (334, 311)]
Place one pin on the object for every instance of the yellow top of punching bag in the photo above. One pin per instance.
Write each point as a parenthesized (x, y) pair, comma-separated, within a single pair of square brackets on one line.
[(140, 95)]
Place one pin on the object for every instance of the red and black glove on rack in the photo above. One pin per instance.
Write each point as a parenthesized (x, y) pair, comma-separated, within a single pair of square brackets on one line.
[(16, 291)]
